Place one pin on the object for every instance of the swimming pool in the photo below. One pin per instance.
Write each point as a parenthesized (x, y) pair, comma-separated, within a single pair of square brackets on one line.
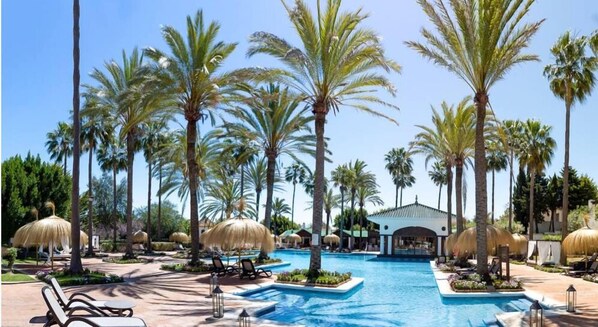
[(394, 293)]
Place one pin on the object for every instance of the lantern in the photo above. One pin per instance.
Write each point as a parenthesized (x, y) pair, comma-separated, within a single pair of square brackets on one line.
[(536, 315), (217, 303), (571, 298), (244, 320), (213, 283)]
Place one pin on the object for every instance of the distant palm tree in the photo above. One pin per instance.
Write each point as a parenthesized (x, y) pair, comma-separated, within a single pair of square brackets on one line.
[(342, 177), (338, 63), (496, 161), (256, 178), (535, 154), (60, 143), (295, 173), (438, 176), (331, 201), (164, 138), (510, 132), (366, 194), (279, 207), (400, 167), (361, 178), (571, 79), (221, 196), (479, 41), (113, 156), (193, 72)]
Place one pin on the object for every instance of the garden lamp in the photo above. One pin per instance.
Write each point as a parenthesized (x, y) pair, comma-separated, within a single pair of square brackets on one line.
[(218, 302), (213, 283), (536, 315), (244, 320), (571, 298)]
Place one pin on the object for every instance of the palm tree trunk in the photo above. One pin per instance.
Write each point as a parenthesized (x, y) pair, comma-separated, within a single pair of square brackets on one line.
[(64, 166), (396, 196), (130, 157), (565, 209), (90, 205), (149, 205), (439, 195), (293, 205), (492, 197), (552, 219), (449, 198), (352, 218), (459, 195), (193, 186), (114, 214), (76, 265), (242, 180), (360, 227), (340, 244), (532, 186), (481, 101), (257, 204), (315, 259), (401, 197), (159, 227), (270, 170), (327, 220), (511, 191)]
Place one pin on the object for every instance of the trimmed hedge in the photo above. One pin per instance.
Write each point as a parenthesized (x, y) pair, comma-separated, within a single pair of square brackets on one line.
[(327, 278), (66, 278)]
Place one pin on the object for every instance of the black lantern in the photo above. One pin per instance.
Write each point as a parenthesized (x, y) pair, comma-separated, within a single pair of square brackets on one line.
[(218, 302), (571, 298), (213, 283), (536, 315), (244, 320)]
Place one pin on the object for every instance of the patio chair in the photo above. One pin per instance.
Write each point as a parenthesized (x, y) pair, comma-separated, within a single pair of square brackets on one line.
[(591, 270), (584, 263), (81, 300), (248, 270), (220, 269), (64, 319)]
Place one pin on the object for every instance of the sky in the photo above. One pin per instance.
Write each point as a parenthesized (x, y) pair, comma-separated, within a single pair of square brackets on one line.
[(37, 82)]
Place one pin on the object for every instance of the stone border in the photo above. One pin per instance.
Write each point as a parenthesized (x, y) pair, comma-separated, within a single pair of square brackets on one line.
[(343, 288)]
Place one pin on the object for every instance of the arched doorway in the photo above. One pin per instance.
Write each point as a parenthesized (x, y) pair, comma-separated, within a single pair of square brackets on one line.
[(414, 241)]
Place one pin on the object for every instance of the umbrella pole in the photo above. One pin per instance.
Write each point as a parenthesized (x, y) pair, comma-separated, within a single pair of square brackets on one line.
[(51, 249)]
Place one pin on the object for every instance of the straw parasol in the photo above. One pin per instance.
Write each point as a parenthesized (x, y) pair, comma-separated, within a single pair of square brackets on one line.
[(581, 241), (332, 239), (179, 237), (139, 237), (466, 243), (238, 233), (450, 243), (293, 237), (276, 238), (519, 246)]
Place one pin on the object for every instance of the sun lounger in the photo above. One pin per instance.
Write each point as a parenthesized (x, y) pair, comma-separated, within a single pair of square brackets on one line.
[(81, 300), (220, 269), (248, 270), (591, 270), (584, 263), (62, 318)]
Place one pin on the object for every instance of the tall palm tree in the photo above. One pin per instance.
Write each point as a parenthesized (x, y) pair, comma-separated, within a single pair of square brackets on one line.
[(342, 177), (222, 194), (113, 156), (360, 178), (279, 207), (400, 166), (571, 79), (132, 96), (479, 41), (275, 120), (76, 266), (438, 176), (60, 143), (510, 132), (331, 201), (164, 138), (256, 178), (193, 72), (535, 154), (496, 161), (366, 194), (338, 63), (95, 129), (295, 173)]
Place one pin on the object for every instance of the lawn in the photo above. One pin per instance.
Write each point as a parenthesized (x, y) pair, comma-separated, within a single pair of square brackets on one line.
[(19, 261), (16, 277)]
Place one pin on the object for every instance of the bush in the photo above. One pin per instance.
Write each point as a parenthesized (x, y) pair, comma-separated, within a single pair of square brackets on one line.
[(506, 284), (548, 269), (323, 277), (163, 246), (66, 278), (10, 256), (466, 283), (121, 260), (552, 237), (201, 268)]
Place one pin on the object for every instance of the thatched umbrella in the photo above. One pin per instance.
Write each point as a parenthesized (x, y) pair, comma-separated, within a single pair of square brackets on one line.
[(238, 233), (179, 237), (293, 238), (519, 246), (139, 237), (449, 244), (332, 239), (581, 241), (467, 243)]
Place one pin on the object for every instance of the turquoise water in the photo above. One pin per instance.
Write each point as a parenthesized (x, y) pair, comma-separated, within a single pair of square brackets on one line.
[(394, 293)]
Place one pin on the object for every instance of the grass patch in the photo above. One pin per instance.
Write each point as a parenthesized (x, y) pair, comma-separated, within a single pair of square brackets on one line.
[(517, 262), (27, 261), (553, 270), (266, 261), (16, 277), (552, 237), (66, 278), (323, 278), (201, 268), (120, 260)]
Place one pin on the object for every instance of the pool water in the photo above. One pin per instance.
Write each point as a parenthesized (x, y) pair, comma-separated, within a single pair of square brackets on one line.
[(394, 293)]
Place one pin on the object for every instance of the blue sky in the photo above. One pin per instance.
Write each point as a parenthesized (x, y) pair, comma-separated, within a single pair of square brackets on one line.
[(37, 80)]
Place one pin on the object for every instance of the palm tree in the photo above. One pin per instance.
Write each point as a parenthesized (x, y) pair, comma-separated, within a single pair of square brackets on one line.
[(342, 177), (279, 207), (331, 201), (275, 121), (400, 166), (60, 143), (256, 178), (496, 161), (337, 64), (96, 128), (366, 194), (192, 71), (76, 266), (510, 132), (164, 138), (479, 41), (536, 153), (438, 176), (571, 79), (222, 194), (360, 178), (132, 97), (113, 156), (296, 173)]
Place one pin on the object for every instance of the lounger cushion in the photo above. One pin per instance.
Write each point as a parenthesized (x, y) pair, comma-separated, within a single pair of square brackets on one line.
[(111, 322)]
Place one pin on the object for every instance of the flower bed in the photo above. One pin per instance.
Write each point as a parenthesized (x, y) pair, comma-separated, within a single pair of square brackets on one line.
[(120, 260), (474, 283), (179, 267), (323, 278), (66, 278)]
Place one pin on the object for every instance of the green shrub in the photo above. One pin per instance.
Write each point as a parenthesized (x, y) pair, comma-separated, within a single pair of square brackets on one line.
[(266, 261), (10, 256), (552, 237), (66, 278), (548, 269), (121, 260), (322, 277), (201, 268), (163, 246)]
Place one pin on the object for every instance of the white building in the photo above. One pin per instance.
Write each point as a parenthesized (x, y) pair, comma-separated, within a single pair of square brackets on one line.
[(413, 230)]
